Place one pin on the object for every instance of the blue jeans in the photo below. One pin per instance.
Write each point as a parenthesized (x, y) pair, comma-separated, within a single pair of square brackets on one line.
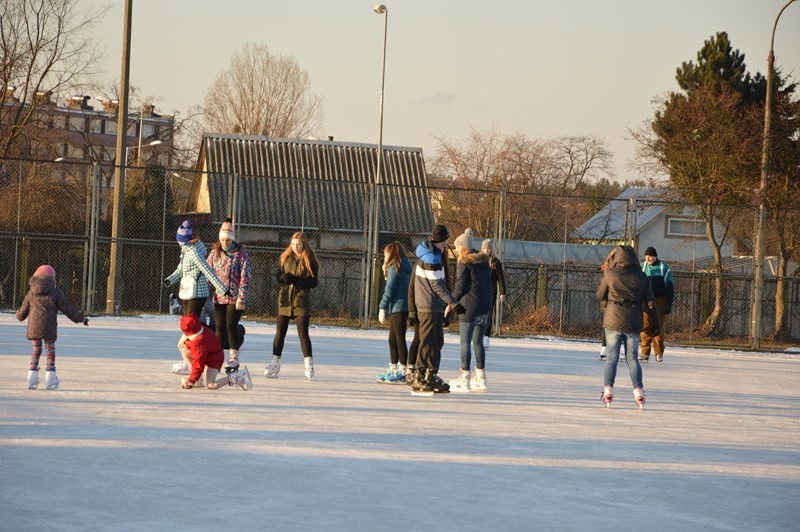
[(614, 341), (472, 336)]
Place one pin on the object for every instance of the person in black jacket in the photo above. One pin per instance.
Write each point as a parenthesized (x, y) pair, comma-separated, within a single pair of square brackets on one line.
[(431, 301), (498, 285), (624, 290), (473, 291)]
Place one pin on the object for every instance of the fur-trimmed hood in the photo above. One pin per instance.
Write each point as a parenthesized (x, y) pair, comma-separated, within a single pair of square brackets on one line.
[(474, 257)]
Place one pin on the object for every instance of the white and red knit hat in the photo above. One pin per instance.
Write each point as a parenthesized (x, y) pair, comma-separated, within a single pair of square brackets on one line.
[(45, 270), (226, 231)]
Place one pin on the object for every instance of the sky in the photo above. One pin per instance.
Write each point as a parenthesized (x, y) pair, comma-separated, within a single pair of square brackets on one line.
[(119, 446), (544, 68)]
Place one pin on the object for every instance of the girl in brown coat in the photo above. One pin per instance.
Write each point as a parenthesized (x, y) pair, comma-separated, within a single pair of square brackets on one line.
[(41, 306)]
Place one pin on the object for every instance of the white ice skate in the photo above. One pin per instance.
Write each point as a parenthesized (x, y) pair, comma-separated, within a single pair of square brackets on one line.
[(274, 367), (180, 368), (33, 379), (308, 364), (638, 396), (608, 396), (241, 378), (461, 384), (51, 380), (232, 365), (478, 381)]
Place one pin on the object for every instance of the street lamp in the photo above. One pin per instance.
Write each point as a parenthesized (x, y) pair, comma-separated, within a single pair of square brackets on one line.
[(139, 153), (380, 9), (758, 289)]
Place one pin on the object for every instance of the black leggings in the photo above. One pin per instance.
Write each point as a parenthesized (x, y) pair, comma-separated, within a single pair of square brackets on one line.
[(398, 351), (302, 332), (227, 320), (193, 306)]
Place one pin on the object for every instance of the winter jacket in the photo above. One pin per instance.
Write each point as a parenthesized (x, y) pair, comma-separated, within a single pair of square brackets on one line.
[(430, 287), (234, 269), (204, 350), (661, 279), (193, 264), (294, 294), (395, 294), (473, 286), (624, 290), (498, 278), (41, 306)]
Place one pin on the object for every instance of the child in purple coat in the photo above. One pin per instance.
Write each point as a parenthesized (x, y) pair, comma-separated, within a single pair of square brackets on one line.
[(41, 306)]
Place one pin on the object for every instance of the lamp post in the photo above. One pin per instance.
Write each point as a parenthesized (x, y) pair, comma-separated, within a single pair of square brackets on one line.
[(139, 152), (758, 289), (373, 254), (113, 297)]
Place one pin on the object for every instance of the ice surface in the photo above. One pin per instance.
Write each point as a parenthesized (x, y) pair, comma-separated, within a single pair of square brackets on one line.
[(121, 447)]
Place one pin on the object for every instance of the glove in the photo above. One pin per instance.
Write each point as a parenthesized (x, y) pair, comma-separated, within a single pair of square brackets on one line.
[(459, 308), (656, 330), (412, 319), (382, 316), (291, 279), (668, 308), (186, 384), (85, 322), (228, 292), (240, 304), (167, 283), (283, 278)]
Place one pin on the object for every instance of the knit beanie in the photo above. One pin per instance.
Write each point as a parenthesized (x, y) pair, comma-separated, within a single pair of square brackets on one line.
[(465, 240), (226, 231), (190, 324), (651, 251), (439, 234), (45, 270), (184, 232), (487, 244)]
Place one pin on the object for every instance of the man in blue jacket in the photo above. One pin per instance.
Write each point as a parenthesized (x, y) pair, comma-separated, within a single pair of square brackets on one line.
[(430, 300), (663, 286)]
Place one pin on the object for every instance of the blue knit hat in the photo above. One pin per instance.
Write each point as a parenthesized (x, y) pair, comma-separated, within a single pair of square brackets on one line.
[(184, 232)]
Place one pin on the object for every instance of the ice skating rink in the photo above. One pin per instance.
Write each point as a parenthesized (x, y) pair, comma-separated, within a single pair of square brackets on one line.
[(121, 447)]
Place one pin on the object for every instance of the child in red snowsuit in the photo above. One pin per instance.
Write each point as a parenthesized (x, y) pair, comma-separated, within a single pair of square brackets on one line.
[(202, 350)]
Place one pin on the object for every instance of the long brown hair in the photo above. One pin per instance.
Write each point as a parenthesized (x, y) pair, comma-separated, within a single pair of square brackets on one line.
[(394, 256), (307, 257)]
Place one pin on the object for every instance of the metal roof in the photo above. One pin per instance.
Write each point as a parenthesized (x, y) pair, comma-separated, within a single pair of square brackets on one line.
[(324, 183), (609, 223)]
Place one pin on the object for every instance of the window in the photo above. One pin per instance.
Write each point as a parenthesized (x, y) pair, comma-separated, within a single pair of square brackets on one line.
[(111, 127), (132, 129), (148, 130), (74, 152), (95, 125), (59, 122), (76, 123), (691, 227)]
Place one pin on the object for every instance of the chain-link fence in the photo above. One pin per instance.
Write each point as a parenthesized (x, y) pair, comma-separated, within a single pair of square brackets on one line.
[(552, 246)]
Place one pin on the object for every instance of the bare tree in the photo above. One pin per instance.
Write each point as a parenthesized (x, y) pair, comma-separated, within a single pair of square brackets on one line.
[(47, 47), (529, 168), (262, 94)]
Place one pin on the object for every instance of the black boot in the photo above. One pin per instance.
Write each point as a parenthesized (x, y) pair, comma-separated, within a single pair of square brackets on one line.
[(438, 385), (422, 382)]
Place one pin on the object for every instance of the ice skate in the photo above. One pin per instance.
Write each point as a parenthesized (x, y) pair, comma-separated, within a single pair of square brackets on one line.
[(638, 396), (659, 357), (51, 380), (411, 374), (461, 384), (387, 375), (308, 365), (439, 386), (607, 396), (241, 377), (274, 367), (33, 379), (180, 368), (232, 365), (603, 353), (398, 376), (486, 342), (478, 381), (421, 385)]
